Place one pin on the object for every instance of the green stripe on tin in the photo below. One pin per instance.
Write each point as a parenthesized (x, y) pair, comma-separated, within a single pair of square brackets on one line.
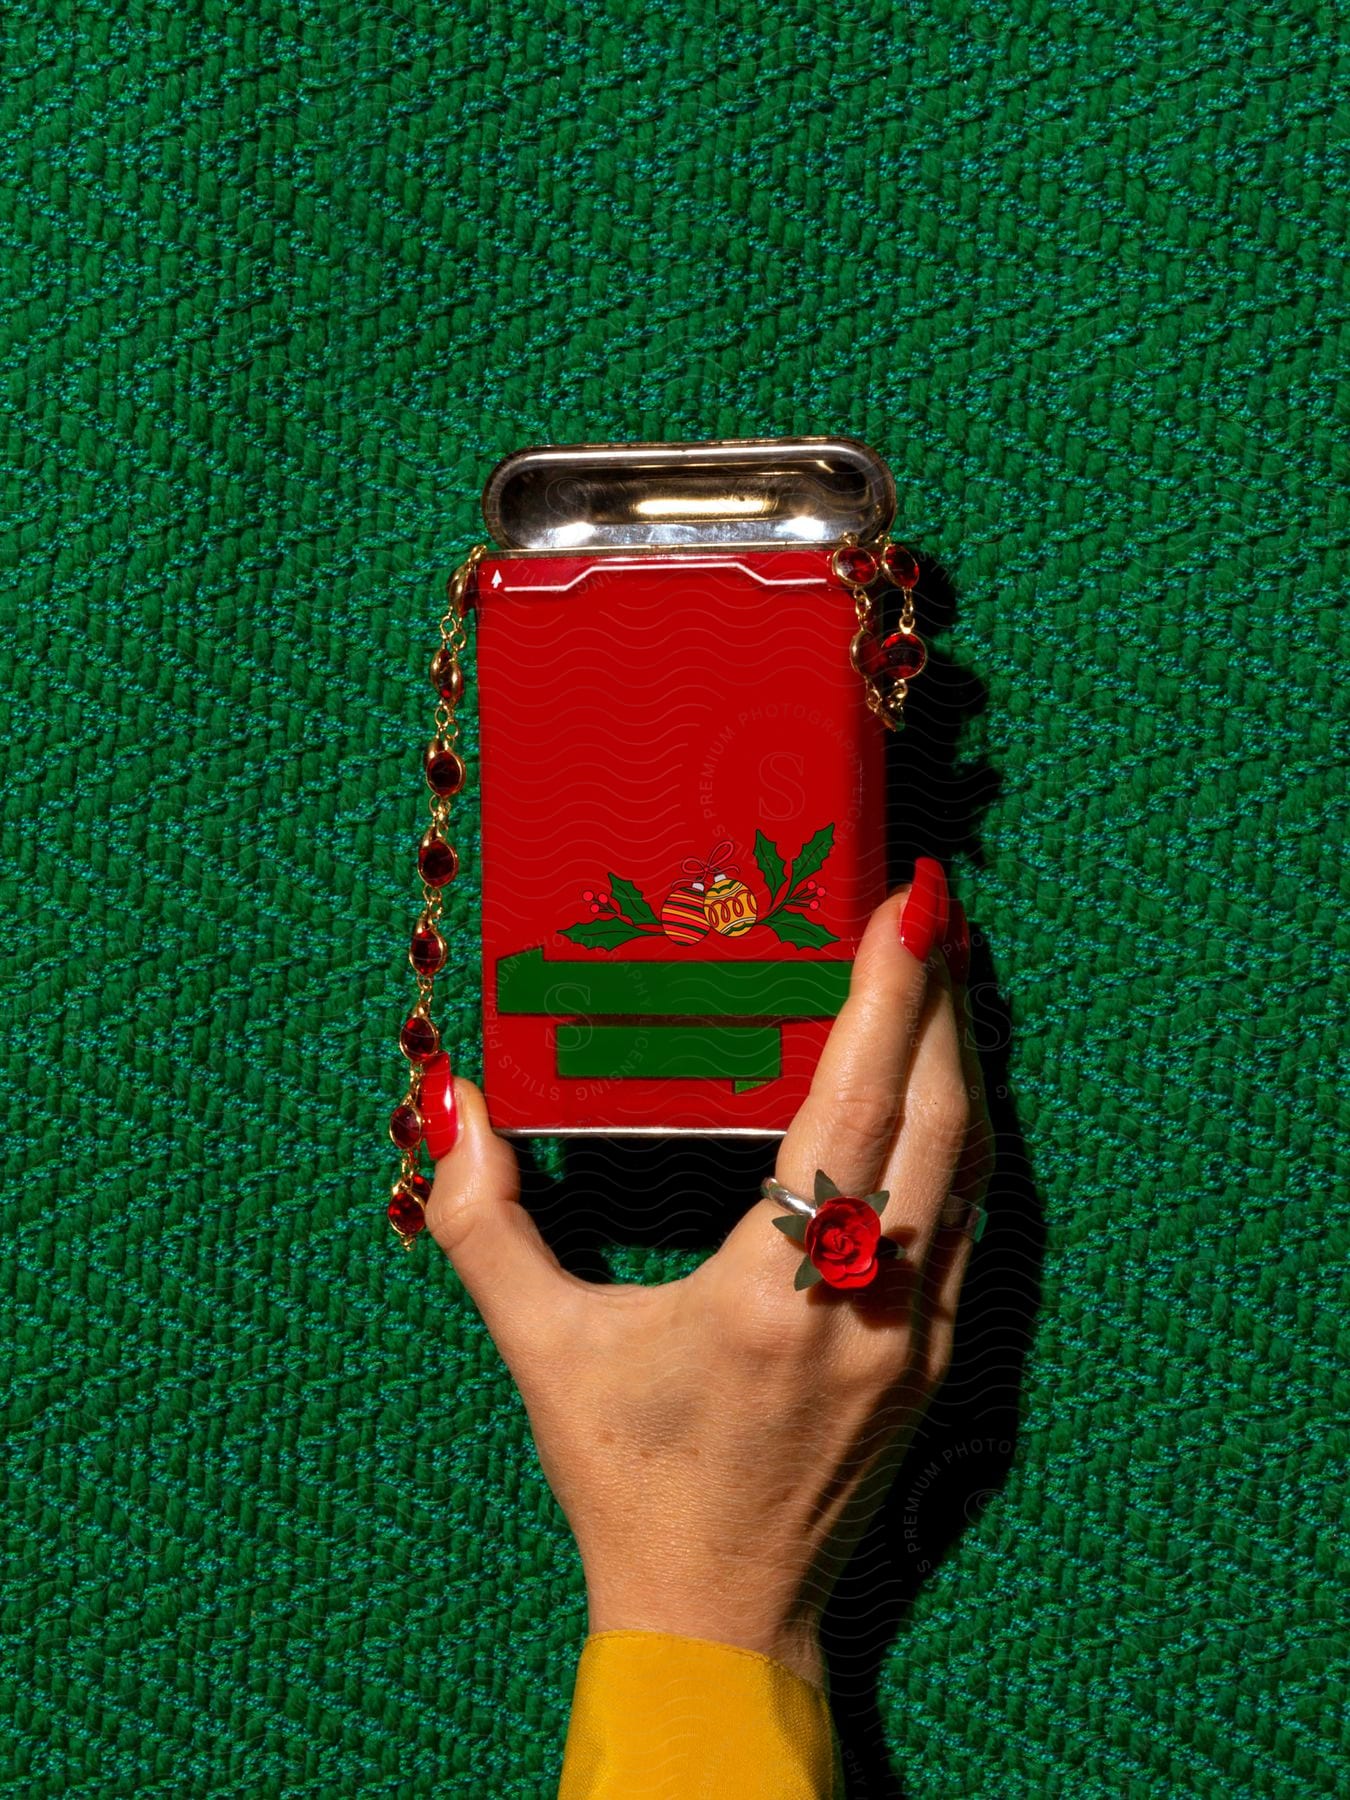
[(740, 1053), (527, 983)]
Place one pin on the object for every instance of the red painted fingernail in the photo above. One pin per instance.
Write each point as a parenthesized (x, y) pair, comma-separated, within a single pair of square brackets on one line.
[(440, 1122), (923, 923), (956, 945)]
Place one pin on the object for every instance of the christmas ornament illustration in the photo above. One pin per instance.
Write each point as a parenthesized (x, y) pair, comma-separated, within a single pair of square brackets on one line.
[(732, 908), (684, 914), (713, 899)]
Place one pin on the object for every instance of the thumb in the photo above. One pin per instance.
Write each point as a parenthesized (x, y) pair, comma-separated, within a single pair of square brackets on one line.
[(475, 1215)]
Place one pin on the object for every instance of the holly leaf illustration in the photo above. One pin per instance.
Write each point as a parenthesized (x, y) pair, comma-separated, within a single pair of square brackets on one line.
[(631, 900), (812, 854), (770, 864), (791, 1225), (794, 929), (602, 934)]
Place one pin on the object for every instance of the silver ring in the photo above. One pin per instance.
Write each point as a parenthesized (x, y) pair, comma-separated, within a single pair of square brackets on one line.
[(971, 1218), (781, 1195), (784, 1196)]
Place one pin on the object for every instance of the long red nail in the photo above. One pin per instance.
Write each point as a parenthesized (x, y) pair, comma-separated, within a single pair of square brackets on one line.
[(924, 921), (440, 1121), (956, 945)]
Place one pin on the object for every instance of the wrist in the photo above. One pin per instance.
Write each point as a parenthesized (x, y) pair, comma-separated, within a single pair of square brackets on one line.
[(795, 1643)]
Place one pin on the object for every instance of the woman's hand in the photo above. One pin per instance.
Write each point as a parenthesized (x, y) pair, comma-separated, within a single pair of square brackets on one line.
[(719, 1443)]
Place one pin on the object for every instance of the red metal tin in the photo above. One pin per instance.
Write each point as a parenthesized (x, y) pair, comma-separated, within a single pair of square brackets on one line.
[(682, 833)]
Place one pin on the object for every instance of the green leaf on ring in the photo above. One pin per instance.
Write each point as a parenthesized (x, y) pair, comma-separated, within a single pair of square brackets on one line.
[(807, 1274), (878, 1201), (793, 1226), (825, 1188)]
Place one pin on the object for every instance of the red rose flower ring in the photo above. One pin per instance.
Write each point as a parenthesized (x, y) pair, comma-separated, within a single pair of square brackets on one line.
[(840, 1233), (841, 1240)]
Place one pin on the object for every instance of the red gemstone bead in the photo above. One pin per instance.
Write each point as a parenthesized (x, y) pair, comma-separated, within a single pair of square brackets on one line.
[(419, 1038), (900, 566), (405, 1127), (437, 860), (405, 1215), (903, 654), (427, 952), (445, 673), (855, 565), (445, 769), (419, 1185)]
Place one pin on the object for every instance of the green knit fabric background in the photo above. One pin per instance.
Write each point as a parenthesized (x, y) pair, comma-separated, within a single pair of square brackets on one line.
[(281, 283)]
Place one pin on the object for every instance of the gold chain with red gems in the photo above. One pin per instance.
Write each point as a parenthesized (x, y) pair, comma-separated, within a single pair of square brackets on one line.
[(886, 668), (438, 863)]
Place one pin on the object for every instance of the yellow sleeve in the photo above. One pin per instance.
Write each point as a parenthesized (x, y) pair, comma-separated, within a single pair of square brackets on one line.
[(661, 1717)]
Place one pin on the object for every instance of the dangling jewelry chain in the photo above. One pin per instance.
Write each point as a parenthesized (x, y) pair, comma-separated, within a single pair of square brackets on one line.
[(886, 668), (426, 1112)]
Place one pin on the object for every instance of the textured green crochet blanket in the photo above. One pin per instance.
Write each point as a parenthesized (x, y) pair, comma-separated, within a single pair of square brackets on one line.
[(281, 283)]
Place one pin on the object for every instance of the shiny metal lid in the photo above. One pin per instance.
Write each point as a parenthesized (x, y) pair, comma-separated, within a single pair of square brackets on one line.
[(765, 493)]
